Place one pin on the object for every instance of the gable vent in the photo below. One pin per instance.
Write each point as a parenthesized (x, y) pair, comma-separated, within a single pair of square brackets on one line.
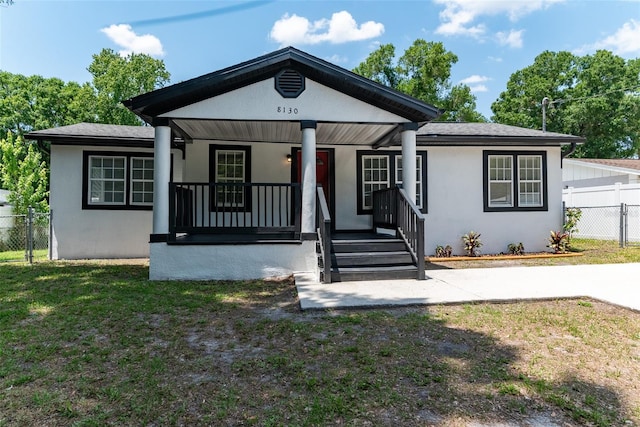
[(289, 83)]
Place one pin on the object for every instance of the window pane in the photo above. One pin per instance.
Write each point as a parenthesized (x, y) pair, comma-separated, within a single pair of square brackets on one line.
[(530, 181), (230, 168), (375, 175), (500, 194), (141, 180)]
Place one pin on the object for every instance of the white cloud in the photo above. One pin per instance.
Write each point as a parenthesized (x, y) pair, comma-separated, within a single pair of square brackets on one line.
[(130, 42), (341, 28), (474, 83), (475, 79), (478, 88), (494, 58), (512, 39), (625, 41), (458, 16)]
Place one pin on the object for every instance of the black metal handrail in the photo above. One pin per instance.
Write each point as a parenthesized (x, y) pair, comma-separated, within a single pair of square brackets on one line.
[(393, 208), (197, 207), (323, 218)]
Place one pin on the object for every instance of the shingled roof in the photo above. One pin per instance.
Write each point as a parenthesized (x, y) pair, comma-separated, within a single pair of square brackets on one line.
[(97, 134), (446, 133), (632, 164)]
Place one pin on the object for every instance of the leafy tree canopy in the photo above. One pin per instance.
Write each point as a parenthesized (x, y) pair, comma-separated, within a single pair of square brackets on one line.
[(116, 78), (24, 174), (424, 72), (595, 96)]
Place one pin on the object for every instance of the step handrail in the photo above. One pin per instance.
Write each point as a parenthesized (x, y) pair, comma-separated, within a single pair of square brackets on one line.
[(324, 232), (393, 208)]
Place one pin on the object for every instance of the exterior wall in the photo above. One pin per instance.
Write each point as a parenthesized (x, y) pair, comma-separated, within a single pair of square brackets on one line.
[(230, 262), (82, 233), (317, 102), (454, 194), (580, 175)]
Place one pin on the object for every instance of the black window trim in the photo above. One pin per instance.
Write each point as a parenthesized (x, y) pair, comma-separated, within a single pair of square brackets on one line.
[(213, 148), (392, 176), (516, 181), (127, 206)]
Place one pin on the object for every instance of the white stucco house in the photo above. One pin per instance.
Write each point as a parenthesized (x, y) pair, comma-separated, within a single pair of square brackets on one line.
[(289, 163)]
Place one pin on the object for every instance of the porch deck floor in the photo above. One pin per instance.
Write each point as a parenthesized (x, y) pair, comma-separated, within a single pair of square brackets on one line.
[(234, 239)]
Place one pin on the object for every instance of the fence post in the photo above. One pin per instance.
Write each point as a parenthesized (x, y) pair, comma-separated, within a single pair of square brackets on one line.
[(622, 225), (30, 235)]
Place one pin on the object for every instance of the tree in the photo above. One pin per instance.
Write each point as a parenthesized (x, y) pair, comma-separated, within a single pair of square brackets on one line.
[(116, 78), (594, 96), (424, 72), (24, 174)]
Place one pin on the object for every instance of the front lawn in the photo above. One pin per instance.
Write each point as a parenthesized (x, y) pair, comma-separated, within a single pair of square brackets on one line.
[(94, 344)]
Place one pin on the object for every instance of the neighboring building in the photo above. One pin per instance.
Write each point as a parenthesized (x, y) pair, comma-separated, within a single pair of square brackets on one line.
[(578, 173), (224, 184)]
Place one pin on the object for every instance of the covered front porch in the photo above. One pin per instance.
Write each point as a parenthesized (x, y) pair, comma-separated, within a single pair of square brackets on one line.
[(237, 124)]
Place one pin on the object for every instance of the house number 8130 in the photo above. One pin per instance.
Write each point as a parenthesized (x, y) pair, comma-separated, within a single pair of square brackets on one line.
[(287, 110)]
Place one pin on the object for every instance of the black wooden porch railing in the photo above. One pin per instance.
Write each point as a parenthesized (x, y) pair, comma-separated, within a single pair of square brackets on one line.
[(242, 208), (393, 209), (323, 218)]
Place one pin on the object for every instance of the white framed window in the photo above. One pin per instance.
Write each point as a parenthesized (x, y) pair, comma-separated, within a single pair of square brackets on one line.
[(107, 180), (230, 169), (381, 169), (530, 181), (141, 181), (515, 180), (500, 181), (375, 175), (117, 180), (418, 177)]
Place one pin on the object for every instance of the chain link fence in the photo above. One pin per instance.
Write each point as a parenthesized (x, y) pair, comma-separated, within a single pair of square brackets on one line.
[(620, 223), (25, 237)]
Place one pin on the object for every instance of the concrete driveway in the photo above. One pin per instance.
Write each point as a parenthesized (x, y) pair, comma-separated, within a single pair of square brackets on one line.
[(614, 283)]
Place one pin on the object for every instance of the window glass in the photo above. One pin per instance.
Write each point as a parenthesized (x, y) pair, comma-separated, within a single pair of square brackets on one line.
[(107, 180), (500, 181), (530, 180), (142, 181), (230, 170), (375, 176)]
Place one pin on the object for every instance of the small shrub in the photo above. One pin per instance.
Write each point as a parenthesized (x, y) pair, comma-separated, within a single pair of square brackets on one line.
[(572, 216), (558, 241), (516, 249), (443, 251), (472, 243)]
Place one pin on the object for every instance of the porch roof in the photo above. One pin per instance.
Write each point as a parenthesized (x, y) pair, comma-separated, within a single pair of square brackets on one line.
[(160, 101)]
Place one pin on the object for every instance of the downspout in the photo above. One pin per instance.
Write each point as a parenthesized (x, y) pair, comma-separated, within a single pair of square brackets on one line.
[(572, 150)]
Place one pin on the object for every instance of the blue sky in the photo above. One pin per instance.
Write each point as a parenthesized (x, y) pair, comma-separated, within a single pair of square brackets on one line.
[(491, 38)]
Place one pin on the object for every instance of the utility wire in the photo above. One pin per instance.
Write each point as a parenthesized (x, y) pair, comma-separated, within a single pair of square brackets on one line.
[(599, 95)]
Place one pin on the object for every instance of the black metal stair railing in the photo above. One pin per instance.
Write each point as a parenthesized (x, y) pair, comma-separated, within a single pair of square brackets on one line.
[(392, 208)]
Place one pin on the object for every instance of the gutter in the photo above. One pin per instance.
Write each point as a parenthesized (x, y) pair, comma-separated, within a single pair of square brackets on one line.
[(572, 150)]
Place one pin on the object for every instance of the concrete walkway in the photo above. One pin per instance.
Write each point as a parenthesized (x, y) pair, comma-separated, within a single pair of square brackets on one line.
[(614, 283)]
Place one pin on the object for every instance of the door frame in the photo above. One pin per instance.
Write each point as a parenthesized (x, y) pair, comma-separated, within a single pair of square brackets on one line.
[(332, 178)]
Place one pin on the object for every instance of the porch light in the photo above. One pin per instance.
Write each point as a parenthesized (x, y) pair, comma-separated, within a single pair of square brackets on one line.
[(288, 158)]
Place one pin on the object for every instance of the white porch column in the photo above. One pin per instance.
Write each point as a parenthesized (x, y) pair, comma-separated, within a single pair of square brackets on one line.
[(161, 178), (408, 136), (308, 222)]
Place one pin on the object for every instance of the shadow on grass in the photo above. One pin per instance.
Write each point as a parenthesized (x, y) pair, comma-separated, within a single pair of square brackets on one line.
[(100, 344)]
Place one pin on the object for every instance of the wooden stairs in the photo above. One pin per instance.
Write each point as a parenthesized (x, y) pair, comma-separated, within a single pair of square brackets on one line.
[(368, 256)]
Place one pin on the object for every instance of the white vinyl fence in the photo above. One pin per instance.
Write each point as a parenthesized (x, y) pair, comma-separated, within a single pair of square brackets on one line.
[(610, 212)]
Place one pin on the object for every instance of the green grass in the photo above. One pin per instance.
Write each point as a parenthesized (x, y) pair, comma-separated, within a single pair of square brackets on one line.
[(97, 344), (38, 254)]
